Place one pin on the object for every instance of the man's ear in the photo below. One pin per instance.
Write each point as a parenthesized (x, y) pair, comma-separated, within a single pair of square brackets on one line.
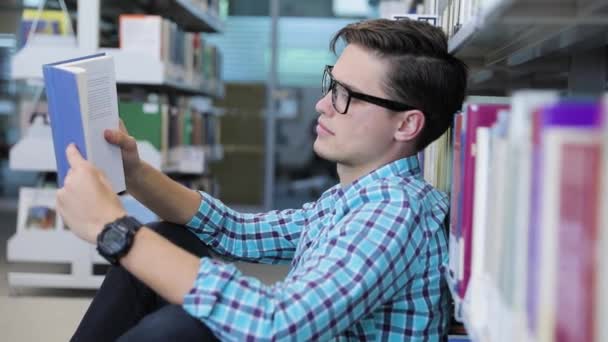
[(410, 124)]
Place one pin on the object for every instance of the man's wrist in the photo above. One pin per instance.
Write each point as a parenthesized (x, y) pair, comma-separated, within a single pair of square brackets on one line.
[(117, 238)]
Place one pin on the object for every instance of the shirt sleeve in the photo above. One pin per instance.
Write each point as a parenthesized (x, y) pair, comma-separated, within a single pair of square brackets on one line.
[(269, 237), (360, 264)]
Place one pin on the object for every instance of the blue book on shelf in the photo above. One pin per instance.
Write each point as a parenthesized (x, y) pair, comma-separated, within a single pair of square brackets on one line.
[(83, 103)]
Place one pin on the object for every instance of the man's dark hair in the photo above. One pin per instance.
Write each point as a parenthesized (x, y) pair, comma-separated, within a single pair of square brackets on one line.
[(421, 73)]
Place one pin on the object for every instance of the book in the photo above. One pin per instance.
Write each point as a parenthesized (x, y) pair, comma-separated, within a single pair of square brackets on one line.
[(480, 229), (83, 103), (477, 115), (564, 125), (577, 232), (455, 195), (601, 309), (37, 210), (144, 121), (524, 104)]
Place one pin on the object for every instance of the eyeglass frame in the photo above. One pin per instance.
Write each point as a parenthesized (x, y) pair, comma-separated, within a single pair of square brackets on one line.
[(378, 101)]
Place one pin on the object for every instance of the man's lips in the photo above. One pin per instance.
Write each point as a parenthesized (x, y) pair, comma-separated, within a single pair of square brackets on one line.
[(325, 128)]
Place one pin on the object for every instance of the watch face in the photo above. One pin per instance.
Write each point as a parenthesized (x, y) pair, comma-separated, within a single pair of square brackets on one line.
[(113, 240)]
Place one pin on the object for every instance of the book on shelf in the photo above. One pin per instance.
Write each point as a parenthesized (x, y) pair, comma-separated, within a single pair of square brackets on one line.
[(145, 121), (524, 104), (477, 115), (38, 210), (539, 230), (82, 104), (455, 198), (437, 168), (568, 220), (601, 308), (457, 173), (187, 57)]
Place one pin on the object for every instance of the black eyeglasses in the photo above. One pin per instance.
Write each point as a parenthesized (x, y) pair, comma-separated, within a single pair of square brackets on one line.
[(341, 95)]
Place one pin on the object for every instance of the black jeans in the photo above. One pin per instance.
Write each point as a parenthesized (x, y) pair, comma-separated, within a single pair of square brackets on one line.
[(125, 309)]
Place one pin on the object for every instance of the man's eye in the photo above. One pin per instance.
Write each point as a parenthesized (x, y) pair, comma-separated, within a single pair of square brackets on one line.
[(342, 93)]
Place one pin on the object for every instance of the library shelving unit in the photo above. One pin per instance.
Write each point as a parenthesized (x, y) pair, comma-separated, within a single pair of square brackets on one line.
[(524, 44), (514, 44), (35, 153)]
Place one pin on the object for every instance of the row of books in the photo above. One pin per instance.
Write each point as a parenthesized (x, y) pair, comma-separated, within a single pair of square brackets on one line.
[(168, 124), (453, 13), (188, 57), (529, 216)]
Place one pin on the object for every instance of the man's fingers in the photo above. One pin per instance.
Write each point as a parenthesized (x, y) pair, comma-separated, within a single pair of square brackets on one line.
[(122, 127), (73, 155), (119, 138)]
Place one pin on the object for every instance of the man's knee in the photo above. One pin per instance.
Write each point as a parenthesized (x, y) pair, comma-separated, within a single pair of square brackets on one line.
[(170, 323), (180, 236)]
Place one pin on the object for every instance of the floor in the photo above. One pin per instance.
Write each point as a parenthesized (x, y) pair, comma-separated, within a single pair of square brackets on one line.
[(52, 315)]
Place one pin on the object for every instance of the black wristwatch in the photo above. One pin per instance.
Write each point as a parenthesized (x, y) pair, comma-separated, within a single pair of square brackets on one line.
[(116, 239)]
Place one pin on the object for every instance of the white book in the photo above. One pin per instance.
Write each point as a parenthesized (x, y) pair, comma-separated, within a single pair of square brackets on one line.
[(142, 33), (524, 104), (549, 221), (480, 227)]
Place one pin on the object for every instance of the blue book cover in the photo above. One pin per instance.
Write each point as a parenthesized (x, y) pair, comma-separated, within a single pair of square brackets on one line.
[(82, 102)]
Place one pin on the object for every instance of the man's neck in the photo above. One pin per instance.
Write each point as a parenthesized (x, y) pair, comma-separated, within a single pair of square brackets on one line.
[(350, 173)]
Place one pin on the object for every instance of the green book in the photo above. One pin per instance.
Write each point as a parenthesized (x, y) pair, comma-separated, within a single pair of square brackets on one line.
[(187, 127), (143, 121)]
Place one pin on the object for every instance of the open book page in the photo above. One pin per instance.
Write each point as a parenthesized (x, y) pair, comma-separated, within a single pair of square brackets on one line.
[(101, 113)]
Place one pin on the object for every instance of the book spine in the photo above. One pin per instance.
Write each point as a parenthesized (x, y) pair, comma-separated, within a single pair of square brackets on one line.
[(66, 120), (455, 195)]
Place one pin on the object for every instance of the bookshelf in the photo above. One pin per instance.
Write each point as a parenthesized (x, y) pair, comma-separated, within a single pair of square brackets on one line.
[(550, 58), (529, 43), (148, 87), (131, 67)]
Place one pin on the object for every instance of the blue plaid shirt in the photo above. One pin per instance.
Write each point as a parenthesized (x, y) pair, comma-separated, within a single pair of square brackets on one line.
[(367, 263)]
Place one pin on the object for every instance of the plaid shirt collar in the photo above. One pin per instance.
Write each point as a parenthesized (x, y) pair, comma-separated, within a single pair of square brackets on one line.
[(401, 168)]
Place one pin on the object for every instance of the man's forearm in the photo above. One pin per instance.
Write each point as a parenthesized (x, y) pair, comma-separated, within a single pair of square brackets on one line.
[(170, 200)]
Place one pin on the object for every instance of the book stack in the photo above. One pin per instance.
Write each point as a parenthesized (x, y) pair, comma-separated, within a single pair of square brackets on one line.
[(455, 13), (187, 57), (436, 163), (179, 128), (527, 231)]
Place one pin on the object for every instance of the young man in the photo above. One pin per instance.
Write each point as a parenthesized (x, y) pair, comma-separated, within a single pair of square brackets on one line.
[(367, 257)]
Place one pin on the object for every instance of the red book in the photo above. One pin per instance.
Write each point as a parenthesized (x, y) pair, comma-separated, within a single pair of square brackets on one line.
[(478, 115), (578, 239)]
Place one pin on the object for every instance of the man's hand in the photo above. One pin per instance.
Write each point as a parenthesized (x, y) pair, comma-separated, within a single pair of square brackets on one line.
[(86, 202), (128, 147)]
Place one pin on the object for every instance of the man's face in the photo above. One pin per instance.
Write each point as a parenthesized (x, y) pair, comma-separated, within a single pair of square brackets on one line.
[(364, 134)]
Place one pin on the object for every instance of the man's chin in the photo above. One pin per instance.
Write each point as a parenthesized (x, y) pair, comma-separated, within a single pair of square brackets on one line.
[(319, 151)]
